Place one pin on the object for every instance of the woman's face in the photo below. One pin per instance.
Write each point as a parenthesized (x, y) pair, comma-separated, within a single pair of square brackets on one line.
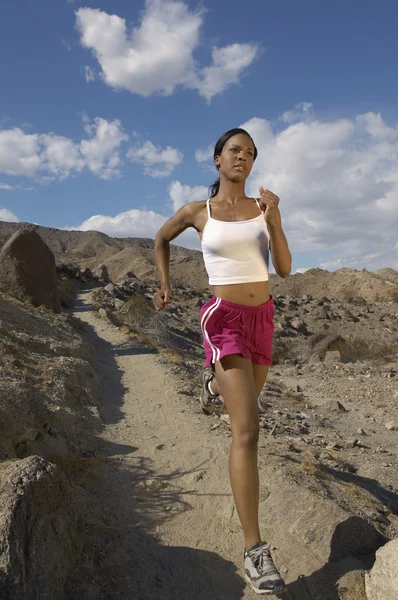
[(236, 159)]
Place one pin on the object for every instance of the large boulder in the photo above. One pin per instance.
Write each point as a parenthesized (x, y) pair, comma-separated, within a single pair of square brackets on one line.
[(27, 270), (382, 581), (40, 530)]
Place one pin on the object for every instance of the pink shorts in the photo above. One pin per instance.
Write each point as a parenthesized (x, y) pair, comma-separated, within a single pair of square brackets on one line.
[(230, 328)]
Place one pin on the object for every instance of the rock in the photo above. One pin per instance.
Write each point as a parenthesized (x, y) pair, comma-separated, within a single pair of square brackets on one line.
[(391, 426), (319, 343), (86, 273), (299, 325), (361, 431), (332, 356), (341, 407), (27, 270), (382, 581), (350, 585), (40, 536), (118, 304), (357, 300), (110, 288), (102, 273), (225, 419), (351, 443)]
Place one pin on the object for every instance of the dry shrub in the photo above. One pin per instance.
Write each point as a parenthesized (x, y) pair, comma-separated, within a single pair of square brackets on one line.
[(349, 292), (173, 356), (310, 466), (66, 291), (295, 285), (125, 329), (342, 462), (298, 403), (144, 339), (140, 314), (363, 496)]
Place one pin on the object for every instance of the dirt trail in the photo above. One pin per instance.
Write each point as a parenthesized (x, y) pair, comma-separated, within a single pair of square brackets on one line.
[(163, 520)]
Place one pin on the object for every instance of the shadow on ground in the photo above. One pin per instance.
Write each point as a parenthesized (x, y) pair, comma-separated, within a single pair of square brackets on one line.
[(124, 501)]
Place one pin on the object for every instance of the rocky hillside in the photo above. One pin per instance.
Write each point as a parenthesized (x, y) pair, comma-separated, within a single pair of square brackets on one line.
[(125, 256), (328, 413), (50, 413)]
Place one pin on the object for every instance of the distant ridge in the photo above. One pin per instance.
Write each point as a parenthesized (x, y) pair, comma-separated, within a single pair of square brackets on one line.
[(136, 255)]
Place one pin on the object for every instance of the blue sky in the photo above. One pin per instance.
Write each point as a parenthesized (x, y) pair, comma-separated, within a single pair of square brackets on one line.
[(108, 111)]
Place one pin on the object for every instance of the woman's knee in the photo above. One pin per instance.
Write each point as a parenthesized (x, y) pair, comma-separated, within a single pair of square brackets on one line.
[(246, 436)]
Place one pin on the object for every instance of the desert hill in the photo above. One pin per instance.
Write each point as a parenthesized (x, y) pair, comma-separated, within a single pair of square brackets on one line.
[(125, 256), (102, 442)]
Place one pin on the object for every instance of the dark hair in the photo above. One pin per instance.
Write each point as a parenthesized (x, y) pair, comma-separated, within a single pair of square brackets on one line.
[(213, 189)]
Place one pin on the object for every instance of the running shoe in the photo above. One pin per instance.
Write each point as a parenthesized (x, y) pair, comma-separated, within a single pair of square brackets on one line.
[(207, 400), (261, 572)]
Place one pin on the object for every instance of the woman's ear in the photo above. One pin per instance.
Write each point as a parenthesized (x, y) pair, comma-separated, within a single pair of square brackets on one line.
[(217, 162)]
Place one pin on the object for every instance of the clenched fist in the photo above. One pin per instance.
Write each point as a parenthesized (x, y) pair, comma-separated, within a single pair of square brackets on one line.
[(161, 298), (269, 205)]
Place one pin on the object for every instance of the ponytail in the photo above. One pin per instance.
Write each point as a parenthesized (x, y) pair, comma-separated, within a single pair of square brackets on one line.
[(213, 189)]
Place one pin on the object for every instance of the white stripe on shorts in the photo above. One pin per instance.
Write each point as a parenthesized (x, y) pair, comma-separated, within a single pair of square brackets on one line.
[(206, 316)]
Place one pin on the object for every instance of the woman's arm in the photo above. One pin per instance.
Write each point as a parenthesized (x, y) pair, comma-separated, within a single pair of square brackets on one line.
[(170, 229), (280, 253)]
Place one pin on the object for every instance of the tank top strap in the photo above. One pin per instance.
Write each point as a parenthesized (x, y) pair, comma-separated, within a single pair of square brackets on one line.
[(258, 204), (208, 208)]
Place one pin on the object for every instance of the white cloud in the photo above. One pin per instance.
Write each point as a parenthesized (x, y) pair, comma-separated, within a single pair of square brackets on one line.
[(136, 223), (49, 156), (182, 194), (140, 223), (302, 110), (227, 66), (157, 55), (89, 74), (157, 162), (6, 186), (204, 154), (338, 185), (59, 156), (19, 152), (7, 215), (101, 149)]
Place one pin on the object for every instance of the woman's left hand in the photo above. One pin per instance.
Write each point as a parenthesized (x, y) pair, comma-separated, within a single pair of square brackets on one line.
[(269, 205)]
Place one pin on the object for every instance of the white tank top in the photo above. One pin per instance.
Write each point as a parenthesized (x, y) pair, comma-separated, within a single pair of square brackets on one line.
[(235, 251)]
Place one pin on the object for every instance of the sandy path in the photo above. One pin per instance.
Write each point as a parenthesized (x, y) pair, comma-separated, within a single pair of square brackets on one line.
[(164, 496)]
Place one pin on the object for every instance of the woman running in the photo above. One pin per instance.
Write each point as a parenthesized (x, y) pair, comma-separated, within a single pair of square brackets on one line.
[(237, 234)]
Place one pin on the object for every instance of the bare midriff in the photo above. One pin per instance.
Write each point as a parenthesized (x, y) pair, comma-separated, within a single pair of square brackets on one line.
[(251, 294)]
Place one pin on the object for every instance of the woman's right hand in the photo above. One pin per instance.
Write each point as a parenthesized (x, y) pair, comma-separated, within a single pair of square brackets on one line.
[(161, 298)]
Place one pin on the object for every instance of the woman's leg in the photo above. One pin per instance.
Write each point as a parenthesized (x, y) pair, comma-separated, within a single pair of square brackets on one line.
[(260, 373), (239, 383)]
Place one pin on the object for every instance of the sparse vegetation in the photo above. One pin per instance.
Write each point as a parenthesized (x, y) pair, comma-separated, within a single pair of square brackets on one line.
[(66, 291), (310, 466), (172, 355), (146, 323)]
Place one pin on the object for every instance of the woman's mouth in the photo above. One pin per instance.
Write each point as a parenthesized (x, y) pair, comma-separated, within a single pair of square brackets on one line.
[(239, 168)]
